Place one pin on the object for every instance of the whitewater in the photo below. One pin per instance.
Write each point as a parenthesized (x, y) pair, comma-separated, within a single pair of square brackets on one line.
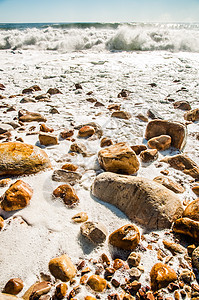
[(104, 59)]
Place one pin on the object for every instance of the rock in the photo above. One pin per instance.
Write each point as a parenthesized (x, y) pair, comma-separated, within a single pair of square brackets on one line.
[(118, 158), (138, 148), (195, 189), (97, 283), (61, 290), (14, 286), (69, 167), (62, 268), (127, 237), (19, 158), (53, 111), (1, 223), (53, 91), (142, 117), (90, 298), (5, 182), (183, 163), (187, 276), (47, 139), (43, 97), (86, 131), (27, 100), (78, 86), (123, 94), (192, 115), (32, 117), (17, 196), (45, 128), (95, 232), (134, 259), (134, 274), (39, 289), (97, 127), (105, 142), (80, 217), (67, 193), (141, 199), (170, 184), (173, 247), (188, 227), (161, 275), (121, 115), (91, 100), (149, 155), (2, 86), (28, 90), (4, 128), (79, 148), (183, 105), (161, 142), (119, 264), (195, 258), (66, 133), (151, 113), (98, 104), (66, 176), (192, 210), (114, 106), (175, 130)]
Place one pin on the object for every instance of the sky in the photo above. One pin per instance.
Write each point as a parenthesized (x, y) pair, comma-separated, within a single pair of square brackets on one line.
[(30, 11)]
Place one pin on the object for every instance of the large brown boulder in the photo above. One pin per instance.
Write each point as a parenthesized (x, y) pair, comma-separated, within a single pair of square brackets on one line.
[(141, 199), (20, 158), (119, 158), (62, 268), (161, 275), (17, 196), (183, 163), (177, 131)]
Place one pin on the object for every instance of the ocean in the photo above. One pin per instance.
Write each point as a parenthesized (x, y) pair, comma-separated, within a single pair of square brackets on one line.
[(68, 37)]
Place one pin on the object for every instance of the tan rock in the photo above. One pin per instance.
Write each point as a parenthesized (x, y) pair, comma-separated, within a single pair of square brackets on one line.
[(170, 184), (69, 167), (141, 199), (138, 148), (161, 275), (127, 237), (47, 139), (61, 290), (161, 142), (53, 91), (149, 155), (79, 148), (17, 196), (195, 189), (187, 276), (175, 130), (192, 210), (119, 158), (62, 175), (66, 133), (173, 247), (13, 286), (1, 223), (19, 158), (32, 117), (86, 131), (142, 117), (94, 231), (80, 217), (39, 289), (5, 182), (98, 129), (67, 193), (121, 114), (62, 268), (105, 142), (188, 227), (183, 163), (114, 106), (134, 259), (45, 128), (97, 283), (192, 115), (183, 105)]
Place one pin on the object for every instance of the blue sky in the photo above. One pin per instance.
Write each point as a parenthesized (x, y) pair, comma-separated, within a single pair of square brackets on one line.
[(99, 11)]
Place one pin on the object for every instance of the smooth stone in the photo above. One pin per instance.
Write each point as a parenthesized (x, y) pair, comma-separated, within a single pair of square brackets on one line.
[(177, 131), (61, 290), (27, 100), (161, 275), (120, 114), (192, 210), (17, 196), (118, 158), (32, 117), (66, 133), (188, 227), (149, 155), (98, 129), (97, 283), (86, 131), (187, 276), (134, 259), (183, 105), (192, 115), (66, 176), (69, 167), (96, 232), (141, 199), (67, 193), (39, 289), (19, 158), (134, 273), (162, 142), (127, 237), (47, 139), (53, 91), (45, 128), (183, 163), (114, 106), (105, 142), (123, 94), (62, 268), (14, 286), (169, 184), (80, 217), (142, 117)]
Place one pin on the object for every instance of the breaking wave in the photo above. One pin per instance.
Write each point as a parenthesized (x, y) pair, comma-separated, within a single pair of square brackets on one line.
[(100, 36)]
